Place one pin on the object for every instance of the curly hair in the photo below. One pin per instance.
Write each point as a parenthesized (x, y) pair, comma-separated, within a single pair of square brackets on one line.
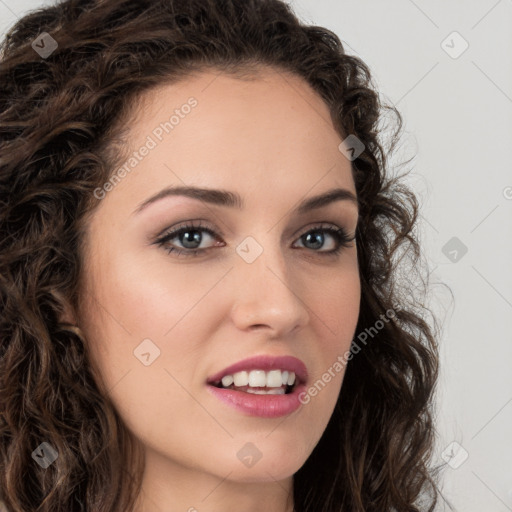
[(60, 123)]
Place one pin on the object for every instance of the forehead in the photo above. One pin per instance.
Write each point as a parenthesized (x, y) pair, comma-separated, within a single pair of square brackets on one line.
[(267, 131), (273, 106)]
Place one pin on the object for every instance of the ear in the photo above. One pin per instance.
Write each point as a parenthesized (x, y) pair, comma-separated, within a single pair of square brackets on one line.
[(66, 315)]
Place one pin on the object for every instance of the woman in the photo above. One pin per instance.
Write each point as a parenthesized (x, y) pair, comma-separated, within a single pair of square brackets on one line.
[(200, 307)]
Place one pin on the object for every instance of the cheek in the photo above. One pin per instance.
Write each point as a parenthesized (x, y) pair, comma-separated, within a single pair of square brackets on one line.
[(150, 296), (336, 308), (335, 304), (137, 308), (337, 312), (155, 313)]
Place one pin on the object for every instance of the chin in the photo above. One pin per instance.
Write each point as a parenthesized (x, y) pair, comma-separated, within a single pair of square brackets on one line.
[(269, 456), (271, 471)]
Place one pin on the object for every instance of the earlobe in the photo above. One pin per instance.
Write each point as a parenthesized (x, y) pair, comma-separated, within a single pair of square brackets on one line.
[(66, 314)]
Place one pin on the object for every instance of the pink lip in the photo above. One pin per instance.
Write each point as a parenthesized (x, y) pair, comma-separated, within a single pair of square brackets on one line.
[(265, 406), (267, 363)]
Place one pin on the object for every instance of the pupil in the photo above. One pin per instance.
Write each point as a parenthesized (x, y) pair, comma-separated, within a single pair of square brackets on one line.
[(196, 238), (319, 239)]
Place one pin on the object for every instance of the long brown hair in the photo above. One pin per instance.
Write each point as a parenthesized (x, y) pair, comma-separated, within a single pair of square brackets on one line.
[(60, 118)]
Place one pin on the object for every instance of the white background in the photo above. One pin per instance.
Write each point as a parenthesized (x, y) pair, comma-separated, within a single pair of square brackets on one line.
[(458, 127)]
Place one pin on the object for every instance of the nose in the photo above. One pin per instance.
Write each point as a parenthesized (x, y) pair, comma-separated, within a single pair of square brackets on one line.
[(265, 298)]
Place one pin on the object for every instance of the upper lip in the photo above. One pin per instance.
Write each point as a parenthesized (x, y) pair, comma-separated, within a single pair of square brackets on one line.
[(266, 363)]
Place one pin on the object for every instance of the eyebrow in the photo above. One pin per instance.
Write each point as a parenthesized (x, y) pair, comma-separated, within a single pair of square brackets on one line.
[(233, 200)]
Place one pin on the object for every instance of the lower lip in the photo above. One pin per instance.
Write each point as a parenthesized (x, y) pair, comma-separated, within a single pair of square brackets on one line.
[(264, 406)]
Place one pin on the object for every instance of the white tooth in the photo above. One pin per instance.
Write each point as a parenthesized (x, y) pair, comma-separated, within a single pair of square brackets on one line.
[(276, 391), (257, 378), (227, 380), (274, 379), (284, 376), (291, 379), (241, 378)]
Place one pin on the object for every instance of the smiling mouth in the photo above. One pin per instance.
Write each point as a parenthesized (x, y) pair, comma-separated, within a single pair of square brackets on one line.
[(259, 382)]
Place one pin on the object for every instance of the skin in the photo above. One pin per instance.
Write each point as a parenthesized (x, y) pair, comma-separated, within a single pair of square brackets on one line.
[(271, 140)]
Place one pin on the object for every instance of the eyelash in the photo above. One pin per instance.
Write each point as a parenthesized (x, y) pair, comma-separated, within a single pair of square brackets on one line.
[(340, 235)]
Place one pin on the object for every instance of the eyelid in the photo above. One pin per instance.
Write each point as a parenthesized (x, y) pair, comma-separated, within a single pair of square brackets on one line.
[(195, 223), (340, 234), (200, 223)]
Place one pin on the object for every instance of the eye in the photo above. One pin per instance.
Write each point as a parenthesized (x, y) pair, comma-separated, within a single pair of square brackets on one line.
[(316, 237), (190, 237)]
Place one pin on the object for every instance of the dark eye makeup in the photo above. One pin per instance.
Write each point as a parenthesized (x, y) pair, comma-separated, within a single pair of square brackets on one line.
[(187, 235)]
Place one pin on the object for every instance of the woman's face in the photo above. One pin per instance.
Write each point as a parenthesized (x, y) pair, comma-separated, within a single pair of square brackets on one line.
[(162, 324)]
